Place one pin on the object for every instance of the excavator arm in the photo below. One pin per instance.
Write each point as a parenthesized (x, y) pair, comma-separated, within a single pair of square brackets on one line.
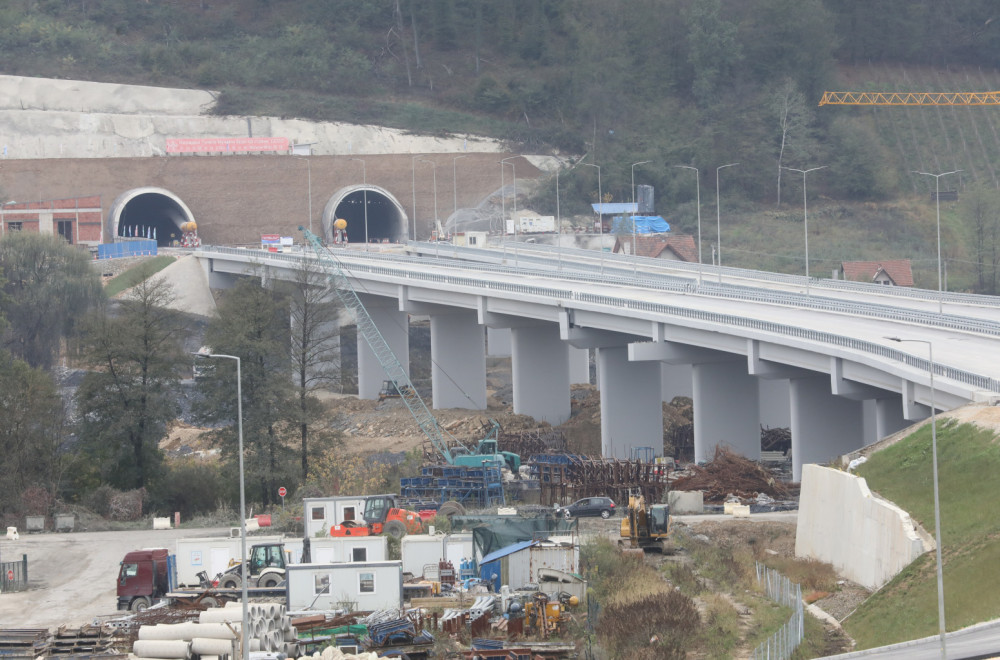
[(394, 371)]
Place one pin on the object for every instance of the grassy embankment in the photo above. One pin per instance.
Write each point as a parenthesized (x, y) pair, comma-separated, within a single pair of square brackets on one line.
[(136, 274), (968, 462)]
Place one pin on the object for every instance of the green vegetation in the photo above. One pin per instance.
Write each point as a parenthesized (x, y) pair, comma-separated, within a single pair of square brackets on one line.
[(906, 608), (136, 274)]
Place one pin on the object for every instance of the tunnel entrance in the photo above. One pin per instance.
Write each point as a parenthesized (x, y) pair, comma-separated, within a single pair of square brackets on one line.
[(149, 213), (386, 219)]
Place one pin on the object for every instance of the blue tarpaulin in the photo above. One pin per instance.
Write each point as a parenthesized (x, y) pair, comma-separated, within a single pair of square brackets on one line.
[(644, 224)]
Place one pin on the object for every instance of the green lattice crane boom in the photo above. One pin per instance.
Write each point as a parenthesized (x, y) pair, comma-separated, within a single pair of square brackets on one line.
[(394, 371)]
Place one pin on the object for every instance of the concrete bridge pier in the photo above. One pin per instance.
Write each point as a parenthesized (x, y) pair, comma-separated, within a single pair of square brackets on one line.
[(541, 373), (497, 342), (631, 403), (773, 395), (579, 365), (726, 409), (394, 326), (675, 380), (824, 425), (889, 415), (458, 360), (216, 279)]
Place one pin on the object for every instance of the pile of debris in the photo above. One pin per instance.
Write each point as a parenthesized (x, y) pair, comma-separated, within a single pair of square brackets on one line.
[(728, 474)]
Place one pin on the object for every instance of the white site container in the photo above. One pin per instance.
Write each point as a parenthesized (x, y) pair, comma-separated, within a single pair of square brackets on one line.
[(348, 586), (212, 555), (422, 552), (333, 550), (523, 565)]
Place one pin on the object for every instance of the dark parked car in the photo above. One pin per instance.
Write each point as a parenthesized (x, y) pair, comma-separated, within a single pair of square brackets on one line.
[(588, 506)]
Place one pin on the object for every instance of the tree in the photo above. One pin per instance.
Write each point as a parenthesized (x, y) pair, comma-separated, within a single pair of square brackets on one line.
[(315, 343), (32, 430), (251, 326), (793, 119), (128, 399), (50, 285), (980, 208), (713, 50)]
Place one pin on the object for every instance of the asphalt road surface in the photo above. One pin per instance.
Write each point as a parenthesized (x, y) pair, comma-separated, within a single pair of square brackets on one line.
[(72, 576)]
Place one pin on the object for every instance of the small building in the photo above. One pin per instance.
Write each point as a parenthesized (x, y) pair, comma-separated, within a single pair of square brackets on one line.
[(531, 562), (334, 550), (319, 513), (604, 212), (422, 552), (77, 219), (469, 238), (353, 587), (671, 247), (890, 272)]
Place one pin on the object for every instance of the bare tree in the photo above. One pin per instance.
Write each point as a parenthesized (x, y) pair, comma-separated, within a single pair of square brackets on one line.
[(790, 105)]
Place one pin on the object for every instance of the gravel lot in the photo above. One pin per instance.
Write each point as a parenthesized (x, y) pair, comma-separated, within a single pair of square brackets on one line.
[(71, 576)]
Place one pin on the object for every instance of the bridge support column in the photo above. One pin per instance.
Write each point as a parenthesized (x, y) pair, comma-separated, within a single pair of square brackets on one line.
[(579, 365), (217, 280), (889, 416), (395, 328), (540, 366), (726, 410), (824, 425), (498, 342), (675, 380), (458, 354), (631, 406), (774, 410)]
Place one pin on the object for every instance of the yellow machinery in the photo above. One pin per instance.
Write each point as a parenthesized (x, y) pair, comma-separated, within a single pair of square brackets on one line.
[(646, 527)]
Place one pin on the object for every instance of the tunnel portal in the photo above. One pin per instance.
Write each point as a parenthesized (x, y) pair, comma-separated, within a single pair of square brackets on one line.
[(148, 212), (386, 219)]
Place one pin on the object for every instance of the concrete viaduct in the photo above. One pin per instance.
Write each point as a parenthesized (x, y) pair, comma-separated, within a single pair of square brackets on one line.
[(234, 199), (751, 348)]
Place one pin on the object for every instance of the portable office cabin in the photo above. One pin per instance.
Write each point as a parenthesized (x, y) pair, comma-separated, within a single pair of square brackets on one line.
[(331, 550), (353, 587), (519, 564), (320, 513), (211, 554), (420, 551)]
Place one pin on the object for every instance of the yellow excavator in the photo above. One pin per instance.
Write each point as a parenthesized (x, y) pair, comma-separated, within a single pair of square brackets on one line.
[(646, 527)]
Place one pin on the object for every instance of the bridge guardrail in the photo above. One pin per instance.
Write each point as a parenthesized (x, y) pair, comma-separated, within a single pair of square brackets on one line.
[(960, 375)]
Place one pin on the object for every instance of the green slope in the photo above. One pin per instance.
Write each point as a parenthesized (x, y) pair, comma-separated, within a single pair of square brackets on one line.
[(968, 460)]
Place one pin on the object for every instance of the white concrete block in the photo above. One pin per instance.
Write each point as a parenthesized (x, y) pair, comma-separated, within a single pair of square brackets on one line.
[(686, 502), (741, 511), (161, 523), (12, 534)]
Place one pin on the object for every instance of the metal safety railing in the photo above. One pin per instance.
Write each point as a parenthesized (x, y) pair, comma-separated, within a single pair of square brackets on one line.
[(782, 591), (14, 575)]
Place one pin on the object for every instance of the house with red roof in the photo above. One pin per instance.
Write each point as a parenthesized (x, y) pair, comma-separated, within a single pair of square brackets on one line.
[(673, 247), (890, 272)]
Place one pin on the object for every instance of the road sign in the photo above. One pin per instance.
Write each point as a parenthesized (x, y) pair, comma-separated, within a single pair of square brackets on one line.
[(10, 574), (282, 492)]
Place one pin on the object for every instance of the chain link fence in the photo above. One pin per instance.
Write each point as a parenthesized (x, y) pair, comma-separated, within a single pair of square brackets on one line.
[(783, 591)]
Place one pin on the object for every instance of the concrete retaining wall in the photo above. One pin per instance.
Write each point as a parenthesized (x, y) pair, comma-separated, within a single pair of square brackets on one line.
[(868, 540)]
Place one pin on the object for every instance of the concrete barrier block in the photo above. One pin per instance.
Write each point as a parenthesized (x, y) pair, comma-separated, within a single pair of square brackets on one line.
[(727, 508), (161, 523), (12, 534), (741, 511), (685, 502)]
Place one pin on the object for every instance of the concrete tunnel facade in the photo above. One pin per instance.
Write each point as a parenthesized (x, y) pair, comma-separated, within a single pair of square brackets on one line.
[(386, 219), (147, 211)]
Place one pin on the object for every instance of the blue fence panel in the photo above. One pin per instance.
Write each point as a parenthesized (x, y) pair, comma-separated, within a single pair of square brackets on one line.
[(130, 248)]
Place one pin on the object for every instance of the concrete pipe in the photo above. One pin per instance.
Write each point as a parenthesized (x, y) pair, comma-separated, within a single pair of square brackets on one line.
[(234, 603), (272, 610), (220, 615), (282, 611), (207, 646), (254, 645), (289, 635), (162, 648), (290, 649), (216, 630), (183, 631)]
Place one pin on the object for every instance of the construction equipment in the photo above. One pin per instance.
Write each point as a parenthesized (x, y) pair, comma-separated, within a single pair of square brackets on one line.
[(266, 568), (646, 527), (381, 515), (390, 390), (442, 444)]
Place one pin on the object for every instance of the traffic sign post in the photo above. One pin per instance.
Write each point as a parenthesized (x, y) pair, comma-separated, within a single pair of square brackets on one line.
[(282, 492)]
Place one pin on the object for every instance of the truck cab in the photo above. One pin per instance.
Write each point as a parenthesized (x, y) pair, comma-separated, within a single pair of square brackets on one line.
[(144, 577)]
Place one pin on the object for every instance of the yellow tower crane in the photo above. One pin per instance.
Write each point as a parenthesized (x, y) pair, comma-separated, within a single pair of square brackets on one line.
[(910, 98)]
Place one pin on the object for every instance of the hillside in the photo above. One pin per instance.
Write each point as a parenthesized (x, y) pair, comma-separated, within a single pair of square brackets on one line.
[(968, 459)]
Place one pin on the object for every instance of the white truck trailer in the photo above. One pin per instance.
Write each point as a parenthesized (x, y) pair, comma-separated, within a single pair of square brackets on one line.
[(212, 555)]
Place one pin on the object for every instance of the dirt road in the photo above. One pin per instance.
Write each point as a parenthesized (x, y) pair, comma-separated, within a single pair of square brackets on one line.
[(71, 577)]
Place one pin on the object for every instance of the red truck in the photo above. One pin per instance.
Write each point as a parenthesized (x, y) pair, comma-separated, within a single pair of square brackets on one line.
[(143, 578)]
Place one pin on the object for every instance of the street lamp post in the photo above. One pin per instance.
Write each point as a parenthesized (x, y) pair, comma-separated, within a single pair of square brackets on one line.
[(454, 182), (718, 217), (437, 223), (364, 182), (309, 174), (243, 500), (413, 185), (600, 203), (634, 255), (937, 196), (805, 213), (513, 171), (697, 181), (937, 501), (558, 226)]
